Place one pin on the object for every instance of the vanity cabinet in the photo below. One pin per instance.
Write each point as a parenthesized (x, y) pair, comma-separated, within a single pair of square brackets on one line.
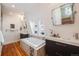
[(54, 48), (24, 35)]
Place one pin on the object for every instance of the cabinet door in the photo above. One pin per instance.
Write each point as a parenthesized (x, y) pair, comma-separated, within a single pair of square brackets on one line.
[(74, 50), (55, 48), (51, 48), (62, 49)]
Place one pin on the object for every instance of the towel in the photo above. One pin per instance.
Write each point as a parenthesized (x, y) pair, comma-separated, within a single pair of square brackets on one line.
[(1, 37)]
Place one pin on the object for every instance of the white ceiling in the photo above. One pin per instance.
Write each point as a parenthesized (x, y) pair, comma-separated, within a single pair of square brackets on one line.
[(24, 7), (21, 7)]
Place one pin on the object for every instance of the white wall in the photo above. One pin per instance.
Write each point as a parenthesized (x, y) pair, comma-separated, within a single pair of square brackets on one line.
[(10, 36), (0, 16), (11, 16), (65, 31), (42, 13)]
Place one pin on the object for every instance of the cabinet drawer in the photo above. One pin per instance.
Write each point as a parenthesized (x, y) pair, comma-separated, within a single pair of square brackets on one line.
[(54, 43)]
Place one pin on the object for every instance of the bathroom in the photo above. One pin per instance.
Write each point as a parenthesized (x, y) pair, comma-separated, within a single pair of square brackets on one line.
[(38, 29)]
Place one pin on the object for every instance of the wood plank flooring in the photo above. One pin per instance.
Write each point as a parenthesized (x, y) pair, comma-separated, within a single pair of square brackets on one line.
[(13, 49)]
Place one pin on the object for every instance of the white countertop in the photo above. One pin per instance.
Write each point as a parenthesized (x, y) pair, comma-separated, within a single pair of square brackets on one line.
[(62, 40)]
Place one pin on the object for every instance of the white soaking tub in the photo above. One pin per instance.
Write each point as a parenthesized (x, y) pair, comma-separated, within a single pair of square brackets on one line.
[(33, 45)]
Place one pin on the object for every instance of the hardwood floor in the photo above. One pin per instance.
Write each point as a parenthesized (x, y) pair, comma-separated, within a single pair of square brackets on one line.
[(13, 49)]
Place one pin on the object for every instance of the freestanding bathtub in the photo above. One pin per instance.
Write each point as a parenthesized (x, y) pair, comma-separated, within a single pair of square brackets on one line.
[(33, 46)]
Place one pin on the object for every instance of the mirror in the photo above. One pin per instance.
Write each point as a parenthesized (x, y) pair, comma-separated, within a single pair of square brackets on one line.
[(63, 14)]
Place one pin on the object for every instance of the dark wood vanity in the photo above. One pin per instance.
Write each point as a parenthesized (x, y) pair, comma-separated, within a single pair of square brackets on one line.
[(54, 48), (24, 35)]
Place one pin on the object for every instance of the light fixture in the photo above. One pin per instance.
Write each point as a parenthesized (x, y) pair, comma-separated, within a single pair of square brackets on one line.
[(21, 17)]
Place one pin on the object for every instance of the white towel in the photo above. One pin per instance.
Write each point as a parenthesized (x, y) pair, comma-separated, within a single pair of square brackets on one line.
[(1, 37)]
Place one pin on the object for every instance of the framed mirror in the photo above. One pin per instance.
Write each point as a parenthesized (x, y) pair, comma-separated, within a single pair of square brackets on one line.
[(63, 14)]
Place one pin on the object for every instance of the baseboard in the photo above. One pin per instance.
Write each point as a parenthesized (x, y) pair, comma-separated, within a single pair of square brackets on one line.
[(10, 42)]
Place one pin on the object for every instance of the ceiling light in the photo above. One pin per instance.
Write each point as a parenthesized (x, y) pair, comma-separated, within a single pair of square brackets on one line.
[(21, 17)]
